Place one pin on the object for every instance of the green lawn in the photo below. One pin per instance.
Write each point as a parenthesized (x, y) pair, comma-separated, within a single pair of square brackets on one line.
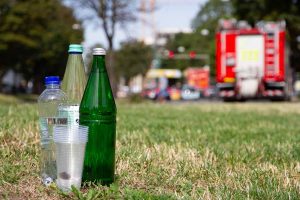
[(171, 151)]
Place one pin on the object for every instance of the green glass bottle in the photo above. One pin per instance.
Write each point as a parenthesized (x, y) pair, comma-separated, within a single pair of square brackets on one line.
[(98, 112), (73, 85)]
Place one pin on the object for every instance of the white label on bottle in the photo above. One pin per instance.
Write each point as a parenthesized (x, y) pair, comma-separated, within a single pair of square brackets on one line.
[(46, 125), (71, 113)]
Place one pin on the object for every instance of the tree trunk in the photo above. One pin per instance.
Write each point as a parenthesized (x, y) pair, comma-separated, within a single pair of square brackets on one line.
[(2, 73), (111, 73), (38, 80), (111, 67)]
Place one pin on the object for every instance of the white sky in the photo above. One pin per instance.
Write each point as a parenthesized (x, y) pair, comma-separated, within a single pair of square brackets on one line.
[(170, 14)]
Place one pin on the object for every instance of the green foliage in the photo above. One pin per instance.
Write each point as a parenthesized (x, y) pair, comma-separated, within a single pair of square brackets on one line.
[(207, 18), (254, 11), (34, 36), (191, 42), (132, 59), (133, 194), (210, 13)]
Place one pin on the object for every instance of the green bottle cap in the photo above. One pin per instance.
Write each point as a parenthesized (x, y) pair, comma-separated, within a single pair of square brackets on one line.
[(75, 48)]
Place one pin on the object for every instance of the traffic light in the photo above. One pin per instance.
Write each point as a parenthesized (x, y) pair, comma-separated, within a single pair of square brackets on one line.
[(171, 54), (192, 54)]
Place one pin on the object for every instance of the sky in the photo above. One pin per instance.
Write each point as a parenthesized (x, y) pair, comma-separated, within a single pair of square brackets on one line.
[(169, 15)]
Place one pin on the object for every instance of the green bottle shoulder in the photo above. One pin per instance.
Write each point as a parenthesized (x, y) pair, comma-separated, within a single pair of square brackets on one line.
[(98, 110), (97, 114)]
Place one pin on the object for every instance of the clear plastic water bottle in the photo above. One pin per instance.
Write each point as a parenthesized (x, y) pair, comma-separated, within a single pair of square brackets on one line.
[(48, 103)]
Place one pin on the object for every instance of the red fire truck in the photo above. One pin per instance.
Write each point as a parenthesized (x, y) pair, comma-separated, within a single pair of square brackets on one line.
[(252, 62)]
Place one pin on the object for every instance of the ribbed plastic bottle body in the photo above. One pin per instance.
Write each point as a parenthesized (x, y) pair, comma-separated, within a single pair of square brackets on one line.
[(73, 85), (74, 80), (98, 112), (48, 103)]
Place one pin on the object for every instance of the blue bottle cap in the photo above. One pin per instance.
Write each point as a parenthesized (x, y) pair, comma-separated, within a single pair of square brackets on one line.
[(52, 80)]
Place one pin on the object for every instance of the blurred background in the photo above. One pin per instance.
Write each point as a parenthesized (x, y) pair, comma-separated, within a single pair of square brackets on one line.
[(159, 49)]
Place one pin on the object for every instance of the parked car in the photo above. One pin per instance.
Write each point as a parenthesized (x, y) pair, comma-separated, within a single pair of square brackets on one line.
[(190, 93)]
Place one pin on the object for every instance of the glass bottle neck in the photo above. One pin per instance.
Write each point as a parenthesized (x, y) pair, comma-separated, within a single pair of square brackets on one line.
[(52, 86), (99, 62)]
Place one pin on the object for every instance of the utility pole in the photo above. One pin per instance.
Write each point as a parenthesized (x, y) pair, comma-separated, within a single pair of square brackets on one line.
[(147, 7)]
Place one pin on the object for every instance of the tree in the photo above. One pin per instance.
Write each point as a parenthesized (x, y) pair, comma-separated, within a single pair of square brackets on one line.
[(201, 40), (89, 57), (210, 13), (207, 19), (191, 42), (34, 36), (110, 13), (132, 59)]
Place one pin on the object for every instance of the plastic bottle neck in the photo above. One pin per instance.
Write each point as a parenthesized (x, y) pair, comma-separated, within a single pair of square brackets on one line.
[(75, 53), (52, 86)]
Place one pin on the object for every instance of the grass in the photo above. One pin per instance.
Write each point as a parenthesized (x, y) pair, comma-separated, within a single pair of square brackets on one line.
[(171, 151)]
